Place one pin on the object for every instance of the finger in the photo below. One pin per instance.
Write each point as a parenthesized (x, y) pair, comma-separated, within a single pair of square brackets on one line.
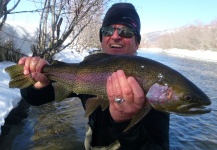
[(116, 89), (40, 77), (33, 63), (139, 97), (117, 93), (109, 88), (22, 61), (125, 87), (43, 80), (110, 94), (40, 65), (26, 69)]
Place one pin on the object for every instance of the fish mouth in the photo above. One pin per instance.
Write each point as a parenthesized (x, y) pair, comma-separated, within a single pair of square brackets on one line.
[(193, 109)]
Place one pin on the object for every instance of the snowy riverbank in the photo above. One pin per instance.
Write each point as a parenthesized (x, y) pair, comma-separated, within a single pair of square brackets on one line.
[(206, 55)]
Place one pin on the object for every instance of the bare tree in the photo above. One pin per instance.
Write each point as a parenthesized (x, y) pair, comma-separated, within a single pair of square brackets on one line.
[(192, 37), (212, 35), (4, 11), (165, 41), (61, 19), (89, 37)]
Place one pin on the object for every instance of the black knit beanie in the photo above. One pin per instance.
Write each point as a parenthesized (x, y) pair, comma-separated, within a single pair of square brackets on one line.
[(125, 14)]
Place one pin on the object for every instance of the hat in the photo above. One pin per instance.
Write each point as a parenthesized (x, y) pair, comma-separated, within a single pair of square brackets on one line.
[(125, 14)]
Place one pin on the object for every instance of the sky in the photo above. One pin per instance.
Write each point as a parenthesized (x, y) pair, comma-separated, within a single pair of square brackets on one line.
[(168, 14), (155, 15)]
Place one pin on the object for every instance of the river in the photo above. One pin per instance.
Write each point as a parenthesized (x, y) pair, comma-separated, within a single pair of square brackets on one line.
[(62, 125), (193, 132)]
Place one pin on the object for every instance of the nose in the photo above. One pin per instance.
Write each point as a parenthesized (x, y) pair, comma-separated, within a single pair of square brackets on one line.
[(115, 35)]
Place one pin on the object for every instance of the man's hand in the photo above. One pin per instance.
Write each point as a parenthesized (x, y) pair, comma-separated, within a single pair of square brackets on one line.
[(34, 66), (120, 86)]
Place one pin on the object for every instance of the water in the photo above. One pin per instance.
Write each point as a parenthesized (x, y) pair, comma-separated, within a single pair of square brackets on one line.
[(193, 132), (53, 126), (62, 125)]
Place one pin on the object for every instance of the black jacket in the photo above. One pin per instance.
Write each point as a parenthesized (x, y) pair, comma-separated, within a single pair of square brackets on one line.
[(152, 132)]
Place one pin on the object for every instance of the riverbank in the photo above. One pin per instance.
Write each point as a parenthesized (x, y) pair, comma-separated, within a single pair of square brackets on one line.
[(206, 55)]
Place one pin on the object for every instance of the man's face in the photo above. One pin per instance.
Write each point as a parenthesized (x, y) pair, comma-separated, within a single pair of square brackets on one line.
[(116, 44)]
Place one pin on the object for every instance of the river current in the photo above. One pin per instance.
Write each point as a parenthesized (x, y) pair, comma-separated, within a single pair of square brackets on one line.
[(62, 125)]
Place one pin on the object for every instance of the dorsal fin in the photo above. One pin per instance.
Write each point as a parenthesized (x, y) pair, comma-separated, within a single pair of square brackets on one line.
[(95, 57), (54, 62)]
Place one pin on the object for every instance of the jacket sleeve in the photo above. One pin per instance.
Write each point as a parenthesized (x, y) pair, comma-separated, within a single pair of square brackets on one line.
[(41, 96), (38, 97)]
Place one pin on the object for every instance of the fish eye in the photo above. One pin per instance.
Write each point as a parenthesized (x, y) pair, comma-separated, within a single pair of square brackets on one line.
[(188, 97)]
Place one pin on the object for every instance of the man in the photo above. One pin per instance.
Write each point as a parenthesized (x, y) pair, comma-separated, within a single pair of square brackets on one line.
[(120, 34)]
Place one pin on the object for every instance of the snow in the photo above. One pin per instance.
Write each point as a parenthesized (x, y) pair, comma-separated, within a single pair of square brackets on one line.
[(70, 56), (9, 98), (23, 36), (206, 55)]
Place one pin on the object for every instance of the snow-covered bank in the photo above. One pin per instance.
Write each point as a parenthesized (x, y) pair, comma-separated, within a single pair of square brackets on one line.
[(9, 98), (70, 56), (206, 55), (22, 36)]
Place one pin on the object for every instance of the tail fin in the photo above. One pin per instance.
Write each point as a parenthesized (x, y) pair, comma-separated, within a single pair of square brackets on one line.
[(18, 79)]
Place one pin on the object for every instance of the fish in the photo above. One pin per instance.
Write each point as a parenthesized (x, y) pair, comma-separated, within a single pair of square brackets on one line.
[(166, 89)]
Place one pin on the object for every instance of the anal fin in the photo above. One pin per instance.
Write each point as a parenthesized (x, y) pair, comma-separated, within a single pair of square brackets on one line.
[(93, 103)]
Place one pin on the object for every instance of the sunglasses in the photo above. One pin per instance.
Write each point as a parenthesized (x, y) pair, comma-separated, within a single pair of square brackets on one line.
[(122, 31)]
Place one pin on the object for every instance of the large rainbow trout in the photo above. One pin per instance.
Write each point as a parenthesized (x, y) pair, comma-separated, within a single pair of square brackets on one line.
[(166, 89)]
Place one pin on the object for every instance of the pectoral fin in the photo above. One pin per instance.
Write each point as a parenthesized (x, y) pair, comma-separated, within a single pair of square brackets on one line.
[(138, 116), (61, 91)]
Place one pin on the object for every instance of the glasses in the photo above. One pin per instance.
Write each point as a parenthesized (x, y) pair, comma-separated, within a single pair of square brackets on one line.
[(122, 31)]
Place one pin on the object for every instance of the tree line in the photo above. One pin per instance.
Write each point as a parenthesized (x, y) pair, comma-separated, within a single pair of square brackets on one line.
[(191, 37)]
